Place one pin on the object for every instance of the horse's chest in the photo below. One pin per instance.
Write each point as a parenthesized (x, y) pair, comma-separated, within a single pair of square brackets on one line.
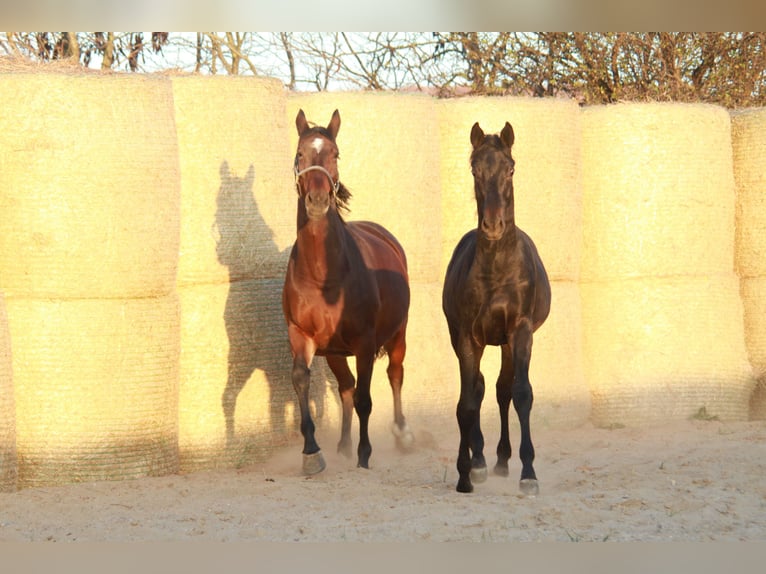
[(495, 316)]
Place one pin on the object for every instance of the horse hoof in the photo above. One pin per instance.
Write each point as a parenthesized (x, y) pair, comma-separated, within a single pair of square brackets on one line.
[(404, 437), (501, 469), (479, 475), (313, 463), (464, 485), (345, 449), (529, 487)]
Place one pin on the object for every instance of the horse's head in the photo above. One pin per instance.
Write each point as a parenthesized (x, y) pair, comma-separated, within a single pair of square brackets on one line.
[(492, 166), (316, 166)]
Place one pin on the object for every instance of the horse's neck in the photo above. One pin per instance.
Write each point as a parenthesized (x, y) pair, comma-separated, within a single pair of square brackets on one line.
[(321, 244), (492, 255)]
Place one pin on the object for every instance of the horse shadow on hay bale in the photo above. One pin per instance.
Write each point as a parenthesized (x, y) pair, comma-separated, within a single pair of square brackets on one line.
[(255, 326)]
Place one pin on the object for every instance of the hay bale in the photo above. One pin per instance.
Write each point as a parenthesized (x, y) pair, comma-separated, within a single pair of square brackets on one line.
[(547, 182), (660, 349), (658, 191), (749, 152), (8, 463), (389, 159), (226, 126), (238, 328), (96, 388), (89, 193), (753, 291)]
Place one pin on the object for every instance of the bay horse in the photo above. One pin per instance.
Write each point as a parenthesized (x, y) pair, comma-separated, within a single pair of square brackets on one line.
[(496, 292), (346, 293)]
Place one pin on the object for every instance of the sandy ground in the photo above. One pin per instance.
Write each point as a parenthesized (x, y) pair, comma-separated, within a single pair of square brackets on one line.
[(691, 481)]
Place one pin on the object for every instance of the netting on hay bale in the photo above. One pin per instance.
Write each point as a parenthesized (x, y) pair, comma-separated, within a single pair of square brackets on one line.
[(89, 194), (662, 319), (749, 150), (389, 160), (96, 388), (236, 178), (236, 332), (548, 206), (89, 238), (237, 226), (8, 463)]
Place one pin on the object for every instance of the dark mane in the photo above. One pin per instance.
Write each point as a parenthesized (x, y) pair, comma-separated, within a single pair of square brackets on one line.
[(342, 198)]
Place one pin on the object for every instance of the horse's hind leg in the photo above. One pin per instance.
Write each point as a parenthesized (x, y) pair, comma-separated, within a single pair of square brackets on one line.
[(521, 393), (396, 349), (339, 367), (503, 389)]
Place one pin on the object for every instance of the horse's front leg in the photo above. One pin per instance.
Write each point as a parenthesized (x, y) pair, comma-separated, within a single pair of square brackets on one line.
[(303, 353), (363, 403), (339, 367), (468, 409), (503, 393), (521, 393)]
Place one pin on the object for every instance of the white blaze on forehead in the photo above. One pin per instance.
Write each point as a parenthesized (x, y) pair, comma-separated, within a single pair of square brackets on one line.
[(317, 144)]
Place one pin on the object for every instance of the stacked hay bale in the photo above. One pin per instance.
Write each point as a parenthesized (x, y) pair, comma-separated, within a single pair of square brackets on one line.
[(548, 206), (88, 255), (237, 225), (389, 160), (662, 318), (749, 148), (8, 464)]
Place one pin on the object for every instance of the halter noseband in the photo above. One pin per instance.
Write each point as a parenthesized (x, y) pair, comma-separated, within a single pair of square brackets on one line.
[(298, 174)]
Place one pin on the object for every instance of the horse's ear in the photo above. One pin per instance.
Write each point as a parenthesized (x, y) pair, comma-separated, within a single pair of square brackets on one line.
[(334, 124), (224, 170), (506, 136), (250, 177), (477, 135), (300, 122)]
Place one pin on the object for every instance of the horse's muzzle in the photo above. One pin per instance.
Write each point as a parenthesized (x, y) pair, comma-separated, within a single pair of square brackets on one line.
[(317, 204), (493, 228)]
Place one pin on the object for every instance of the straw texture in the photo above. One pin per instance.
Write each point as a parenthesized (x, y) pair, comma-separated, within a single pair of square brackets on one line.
[(8, 464), (547, 181), (749, 148), (662, 318), (389, 160), (659, 191), (226, 126), (659, 349), (96, 388), (89, 192)]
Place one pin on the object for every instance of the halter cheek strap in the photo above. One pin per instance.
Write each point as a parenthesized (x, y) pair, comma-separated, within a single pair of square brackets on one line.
[(298, 174)]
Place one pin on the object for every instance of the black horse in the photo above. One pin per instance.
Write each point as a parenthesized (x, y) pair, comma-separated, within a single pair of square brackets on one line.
[(496, 292)]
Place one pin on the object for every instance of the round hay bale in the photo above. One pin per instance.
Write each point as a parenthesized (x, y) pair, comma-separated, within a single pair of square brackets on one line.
[(389, 160), (238, 330), (665, 348), (547, 182), (749, 151), (89, 193), (8, 463), (226, 127), (96, 388), (658, 191), (753, 291)]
